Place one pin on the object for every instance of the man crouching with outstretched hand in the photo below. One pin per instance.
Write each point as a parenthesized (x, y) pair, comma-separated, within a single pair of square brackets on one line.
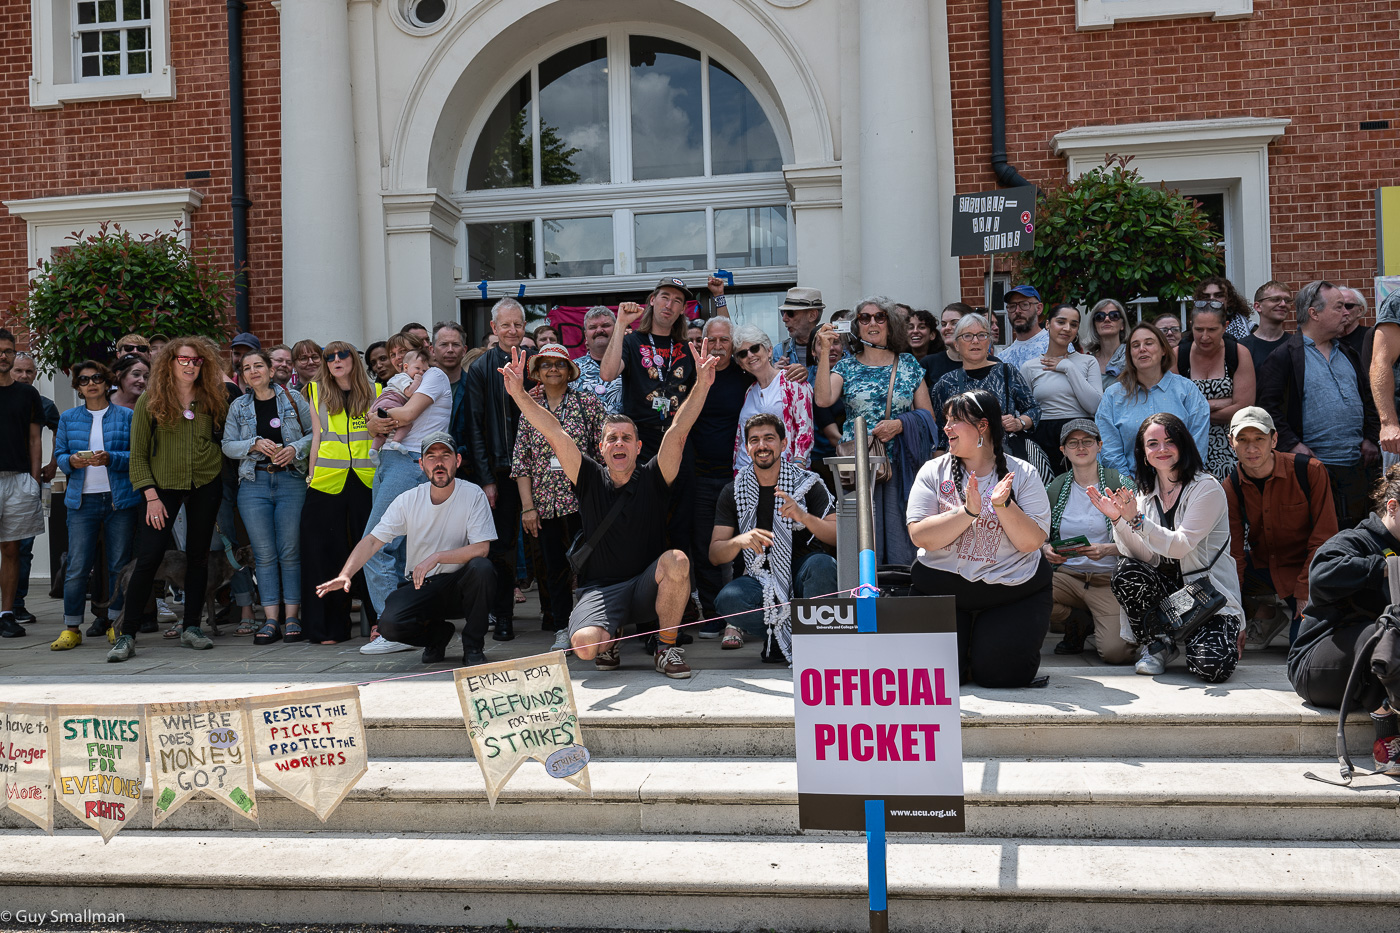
[(627, 575)]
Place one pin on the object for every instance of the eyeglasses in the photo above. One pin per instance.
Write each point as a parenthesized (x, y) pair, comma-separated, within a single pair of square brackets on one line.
[(339, 355), (190, 360), (1211, 303), (134, 348), (547, 363), (308, 358), (741, 353), (7, 351), (91, 378), (973, 338), (1168, 329), (1101, 316), (879, 317), (1079, 444), (1351, 305), (1275, 300)]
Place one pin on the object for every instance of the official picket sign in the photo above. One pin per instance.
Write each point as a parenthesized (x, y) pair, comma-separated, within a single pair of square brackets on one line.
[(988, 222), (877, 715)]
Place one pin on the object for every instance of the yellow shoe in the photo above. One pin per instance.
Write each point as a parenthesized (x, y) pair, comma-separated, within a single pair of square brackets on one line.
[(111, 634), (66, 639)]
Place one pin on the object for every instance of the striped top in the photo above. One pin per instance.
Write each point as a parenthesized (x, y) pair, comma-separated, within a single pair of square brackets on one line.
[(184, 456)]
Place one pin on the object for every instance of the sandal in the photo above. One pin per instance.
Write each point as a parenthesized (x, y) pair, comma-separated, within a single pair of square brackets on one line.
[(248, 627), (174, 631), (270, 632), (291, 632), (733, 638)]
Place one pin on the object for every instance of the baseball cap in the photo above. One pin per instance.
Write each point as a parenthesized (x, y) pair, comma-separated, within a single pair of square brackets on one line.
[(1252, 417), (1079, 424), (437, 437), (1027, 290), (676, 284), (246, 340)]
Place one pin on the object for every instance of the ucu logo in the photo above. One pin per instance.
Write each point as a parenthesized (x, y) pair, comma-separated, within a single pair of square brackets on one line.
[(824, 616)]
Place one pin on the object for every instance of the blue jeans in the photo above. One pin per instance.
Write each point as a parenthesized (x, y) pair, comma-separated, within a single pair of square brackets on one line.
[(96, 516), (815, 576), (270, 504), (398, 473)]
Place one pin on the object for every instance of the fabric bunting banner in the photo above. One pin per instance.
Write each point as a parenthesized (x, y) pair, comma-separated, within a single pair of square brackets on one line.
[(310, 745), (99, 763), (25, 763), (200, 748), (523, 709)]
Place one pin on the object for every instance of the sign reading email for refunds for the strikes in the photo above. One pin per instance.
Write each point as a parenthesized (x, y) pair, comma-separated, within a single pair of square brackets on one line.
[(523, 709), (877, 714)]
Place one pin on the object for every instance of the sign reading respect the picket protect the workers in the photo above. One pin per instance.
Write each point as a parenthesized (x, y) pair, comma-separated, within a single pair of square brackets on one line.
[(310, 745), (989, 222), (877, 715)]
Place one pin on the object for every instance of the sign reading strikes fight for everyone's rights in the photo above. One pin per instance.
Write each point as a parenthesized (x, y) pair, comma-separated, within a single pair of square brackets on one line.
[(877, 714)]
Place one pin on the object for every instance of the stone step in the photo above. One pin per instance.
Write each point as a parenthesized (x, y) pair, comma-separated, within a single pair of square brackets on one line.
[(708, 882), (1071, 799)]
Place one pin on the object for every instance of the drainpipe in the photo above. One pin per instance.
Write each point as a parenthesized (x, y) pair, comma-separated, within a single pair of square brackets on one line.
[(1005, 172), (237, 175)]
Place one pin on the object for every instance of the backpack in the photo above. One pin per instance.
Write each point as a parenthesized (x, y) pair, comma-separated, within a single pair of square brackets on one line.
[(1300, 471)]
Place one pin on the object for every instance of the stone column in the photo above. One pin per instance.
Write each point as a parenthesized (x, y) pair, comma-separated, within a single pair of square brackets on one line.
[(899, 193), (321, 291)]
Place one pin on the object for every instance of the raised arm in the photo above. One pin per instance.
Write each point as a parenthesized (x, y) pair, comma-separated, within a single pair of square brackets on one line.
[(828, 387), (673, 444), (611, 367), (559, 441)]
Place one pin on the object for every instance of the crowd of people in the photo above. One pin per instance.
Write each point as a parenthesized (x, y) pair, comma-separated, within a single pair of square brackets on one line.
[(1082, 476)]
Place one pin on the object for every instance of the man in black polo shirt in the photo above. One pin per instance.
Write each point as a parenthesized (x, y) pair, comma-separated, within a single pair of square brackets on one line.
[(629, 575)]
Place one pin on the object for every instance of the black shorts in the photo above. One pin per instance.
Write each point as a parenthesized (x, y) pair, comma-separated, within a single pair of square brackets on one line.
[(612, 606)]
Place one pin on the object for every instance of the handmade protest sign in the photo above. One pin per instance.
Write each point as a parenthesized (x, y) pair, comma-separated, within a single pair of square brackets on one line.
[(518, 710), (877, 714), (99, 763), (200, 748), (310, 745), (24, 763)]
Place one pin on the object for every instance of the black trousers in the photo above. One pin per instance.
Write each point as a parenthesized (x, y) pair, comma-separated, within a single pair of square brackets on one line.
[(149, 545), (331, 526), (1320, 675), (419, 616), (709, 579), (1001, 629), (556, 579), (506, 516)]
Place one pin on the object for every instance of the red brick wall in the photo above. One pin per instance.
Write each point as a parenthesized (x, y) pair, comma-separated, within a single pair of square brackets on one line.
[(1326, 66), (136, 145)]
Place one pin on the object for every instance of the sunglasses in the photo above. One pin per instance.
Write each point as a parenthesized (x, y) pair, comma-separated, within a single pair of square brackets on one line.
[(190, 360), (740, 354), (91, 378), (339, 355), (1211, 303), (1101, 316), (1351, 305), (879, 317), (553, 364), (134, 348)]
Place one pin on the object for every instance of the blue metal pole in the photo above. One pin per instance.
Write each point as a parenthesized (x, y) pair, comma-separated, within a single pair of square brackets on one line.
[(866, 623)]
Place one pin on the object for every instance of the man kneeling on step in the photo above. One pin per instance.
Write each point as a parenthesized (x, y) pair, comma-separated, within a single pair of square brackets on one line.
[(627, 574), (449, 528)]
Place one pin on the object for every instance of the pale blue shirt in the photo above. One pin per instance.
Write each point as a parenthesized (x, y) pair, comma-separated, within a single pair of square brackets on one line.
[(1332, 409), (1119, 417), (1022, 350)]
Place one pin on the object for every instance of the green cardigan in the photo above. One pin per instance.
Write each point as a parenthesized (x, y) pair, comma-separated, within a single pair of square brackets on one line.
[(184, 456)]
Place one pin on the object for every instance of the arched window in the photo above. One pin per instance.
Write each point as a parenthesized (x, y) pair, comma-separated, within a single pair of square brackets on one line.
[(624, 155)]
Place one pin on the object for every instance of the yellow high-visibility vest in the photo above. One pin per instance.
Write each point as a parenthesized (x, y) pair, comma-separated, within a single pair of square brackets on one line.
[(345, 445)]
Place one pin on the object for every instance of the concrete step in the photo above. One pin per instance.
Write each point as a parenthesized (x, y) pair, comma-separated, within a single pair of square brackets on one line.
[(708, 882), (1194, 800)]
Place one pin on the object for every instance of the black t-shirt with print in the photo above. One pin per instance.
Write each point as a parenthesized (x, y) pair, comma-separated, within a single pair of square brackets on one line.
[(20, 406), (637, 536), (654, 368)]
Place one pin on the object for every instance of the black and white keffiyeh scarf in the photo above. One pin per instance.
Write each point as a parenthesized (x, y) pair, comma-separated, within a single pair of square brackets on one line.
[(773, 568)]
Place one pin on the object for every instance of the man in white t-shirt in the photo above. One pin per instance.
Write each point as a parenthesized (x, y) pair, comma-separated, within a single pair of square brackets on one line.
[(448, 530)]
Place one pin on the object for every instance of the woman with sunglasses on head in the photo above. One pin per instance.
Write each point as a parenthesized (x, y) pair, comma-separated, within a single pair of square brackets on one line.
[(1218, 293), (1106, 338), (336, 510), (93, 447), (774, 393), (1066, 384), (886, 385), (268, 435), (1213, 361), (979, 518), (1174, 531), (1020, 412), (129, 377), (175, 461)]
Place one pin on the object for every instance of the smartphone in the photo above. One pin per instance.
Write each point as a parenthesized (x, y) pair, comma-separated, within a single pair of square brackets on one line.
[(86, 454), (841, 327), (1066, 544)]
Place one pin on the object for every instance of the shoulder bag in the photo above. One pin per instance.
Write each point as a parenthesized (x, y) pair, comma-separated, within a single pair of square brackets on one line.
[(581, 549), (881, 472), (1186, 610)]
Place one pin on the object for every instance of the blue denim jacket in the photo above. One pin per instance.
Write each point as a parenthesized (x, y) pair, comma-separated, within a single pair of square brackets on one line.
[(74, 433), (241, 430)]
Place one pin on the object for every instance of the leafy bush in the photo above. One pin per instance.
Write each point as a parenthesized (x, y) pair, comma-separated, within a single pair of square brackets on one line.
[(1107, 235), (111, 283)]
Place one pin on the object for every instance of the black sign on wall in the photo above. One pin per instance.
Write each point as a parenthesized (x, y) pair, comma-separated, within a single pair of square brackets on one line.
[(994, 222)]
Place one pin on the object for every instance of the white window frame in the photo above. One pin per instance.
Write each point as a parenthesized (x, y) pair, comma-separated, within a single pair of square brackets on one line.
[(1103, 14), (124, 28), (623, 198), (51, 221), (1230, 156), (54, 79)]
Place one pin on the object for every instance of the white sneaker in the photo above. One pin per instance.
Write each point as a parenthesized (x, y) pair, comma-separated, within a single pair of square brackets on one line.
[(1154, 662), (561, 641), (164, 612), (381, 645)]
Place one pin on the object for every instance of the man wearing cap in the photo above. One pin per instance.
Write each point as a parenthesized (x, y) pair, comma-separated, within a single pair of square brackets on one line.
[(1029, 340), (448, 529), (1280, 513), (1081, 548), (238, 349), (802, 312)]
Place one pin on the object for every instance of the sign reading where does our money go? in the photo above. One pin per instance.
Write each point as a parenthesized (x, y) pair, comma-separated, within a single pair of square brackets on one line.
[(200, 747), (994, 222), (877, 714)]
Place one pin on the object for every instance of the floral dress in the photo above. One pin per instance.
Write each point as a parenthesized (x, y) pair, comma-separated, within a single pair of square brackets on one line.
[(1219, 458), (581, 416), (864, 387)]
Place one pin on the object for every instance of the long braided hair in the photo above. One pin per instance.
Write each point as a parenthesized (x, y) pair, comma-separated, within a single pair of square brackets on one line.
[(973, 406)]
